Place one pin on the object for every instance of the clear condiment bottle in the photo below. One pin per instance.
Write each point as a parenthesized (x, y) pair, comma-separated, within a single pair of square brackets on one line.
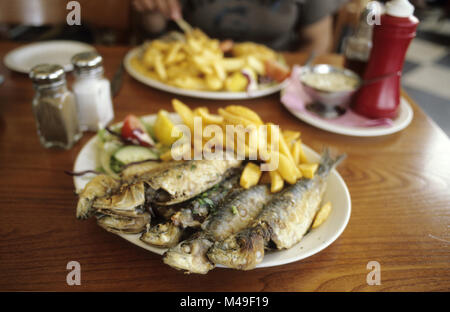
[(358, 46), (54, 107), (92, 91)]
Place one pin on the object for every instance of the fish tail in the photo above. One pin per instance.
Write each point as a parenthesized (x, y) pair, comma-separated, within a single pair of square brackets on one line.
[(328, 162)]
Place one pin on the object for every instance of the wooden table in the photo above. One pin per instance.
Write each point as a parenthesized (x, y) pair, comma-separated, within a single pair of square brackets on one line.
[(399, 186)]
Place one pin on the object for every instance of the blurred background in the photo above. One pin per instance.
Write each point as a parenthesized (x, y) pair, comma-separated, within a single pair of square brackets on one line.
[(115, 22)]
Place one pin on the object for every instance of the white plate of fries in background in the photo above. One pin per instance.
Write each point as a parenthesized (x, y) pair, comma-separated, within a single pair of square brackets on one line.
[(336, 202), (195, 65)]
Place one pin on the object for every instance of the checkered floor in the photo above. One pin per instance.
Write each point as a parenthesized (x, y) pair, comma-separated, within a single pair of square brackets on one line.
[(426, 72)]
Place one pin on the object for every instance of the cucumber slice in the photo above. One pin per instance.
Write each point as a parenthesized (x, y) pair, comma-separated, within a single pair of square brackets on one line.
[(106, 150), (133, 153)]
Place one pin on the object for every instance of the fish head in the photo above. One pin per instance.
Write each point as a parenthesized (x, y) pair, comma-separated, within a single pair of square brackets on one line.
[(100, 186), (162, 235), (128, 202), (124, 225), (242, 251), (190, 255)]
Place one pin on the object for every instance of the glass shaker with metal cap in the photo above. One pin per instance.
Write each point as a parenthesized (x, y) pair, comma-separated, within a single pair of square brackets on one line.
[(54, 107), (357, 47), (92, 91)]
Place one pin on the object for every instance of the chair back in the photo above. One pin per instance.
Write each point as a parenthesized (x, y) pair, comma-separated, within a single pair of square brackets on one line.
[(114, 14)]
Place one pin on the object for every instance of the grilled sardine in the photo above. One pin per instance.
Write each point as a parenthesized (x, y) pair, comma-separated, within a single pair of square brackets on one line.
[(231, 217), (284, 221), (190, 214), (187, 179)]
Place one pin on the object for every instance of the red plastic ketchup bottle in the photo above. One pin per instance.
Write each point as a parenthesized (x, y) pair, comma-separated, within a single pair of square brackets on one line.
[(379, 97)]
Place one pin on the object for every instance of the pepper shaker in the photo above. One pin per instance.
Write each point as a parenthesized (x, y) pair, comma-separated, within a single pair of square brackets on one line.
[(54, 107)]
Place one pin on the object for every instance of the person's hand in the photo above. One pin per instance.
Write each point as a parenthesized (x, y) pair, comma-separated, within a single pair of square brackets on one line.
[(171, 9)]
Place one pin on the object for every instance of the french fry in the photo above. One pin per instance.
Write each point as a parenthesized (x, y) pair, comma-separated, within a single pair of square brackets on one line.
[(185, 113), (202, 65), (296, 150), (250, 175), (291, 136), (277, 182), (210, 119), (174, 72), (271, 134), (258, 50), (322, 215), (303, 159), (244, 112), (160, 45), (288, 171), (238, 139), (159, 67), (308, 170), (256, 65), (234, 119), (220, 70), (213, 82), (232, 64), (189, 82), (283, 148), (149, 57), (194, 44), (178, 58), (172, 53)]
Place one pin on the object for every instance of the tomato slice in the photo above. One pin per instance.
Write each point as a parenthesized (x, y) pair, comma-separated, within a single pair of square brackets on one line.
[(277, 71), (133, 130), (226, 45)]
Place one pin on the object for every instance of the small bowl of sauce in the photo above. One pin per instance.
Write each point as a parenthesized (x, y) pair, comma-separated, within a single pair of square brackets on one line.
[(330, 87)]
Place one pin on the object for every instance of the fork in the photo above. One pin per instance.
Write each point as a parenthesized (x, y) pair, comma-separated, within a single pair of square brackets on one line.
[(185, 27)]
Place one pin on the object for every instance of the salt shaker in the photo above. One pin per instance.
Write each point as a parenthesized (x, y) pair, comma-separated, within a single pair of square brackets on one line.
[(92, 91), (54, 107)]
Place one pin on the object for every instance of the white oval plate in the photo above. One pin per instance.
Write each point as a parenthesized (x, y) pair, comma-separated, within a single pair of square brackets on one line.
[(23, 58), (315, 241), (404, 118), (218, 95)]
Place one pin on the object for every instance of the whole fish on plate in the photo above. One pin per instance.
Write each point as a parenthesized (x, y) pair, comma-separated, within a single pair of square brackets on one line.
[(190, 214), (187, 179), (164, 184), (232, 216), (284, 221), (104, 185)]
